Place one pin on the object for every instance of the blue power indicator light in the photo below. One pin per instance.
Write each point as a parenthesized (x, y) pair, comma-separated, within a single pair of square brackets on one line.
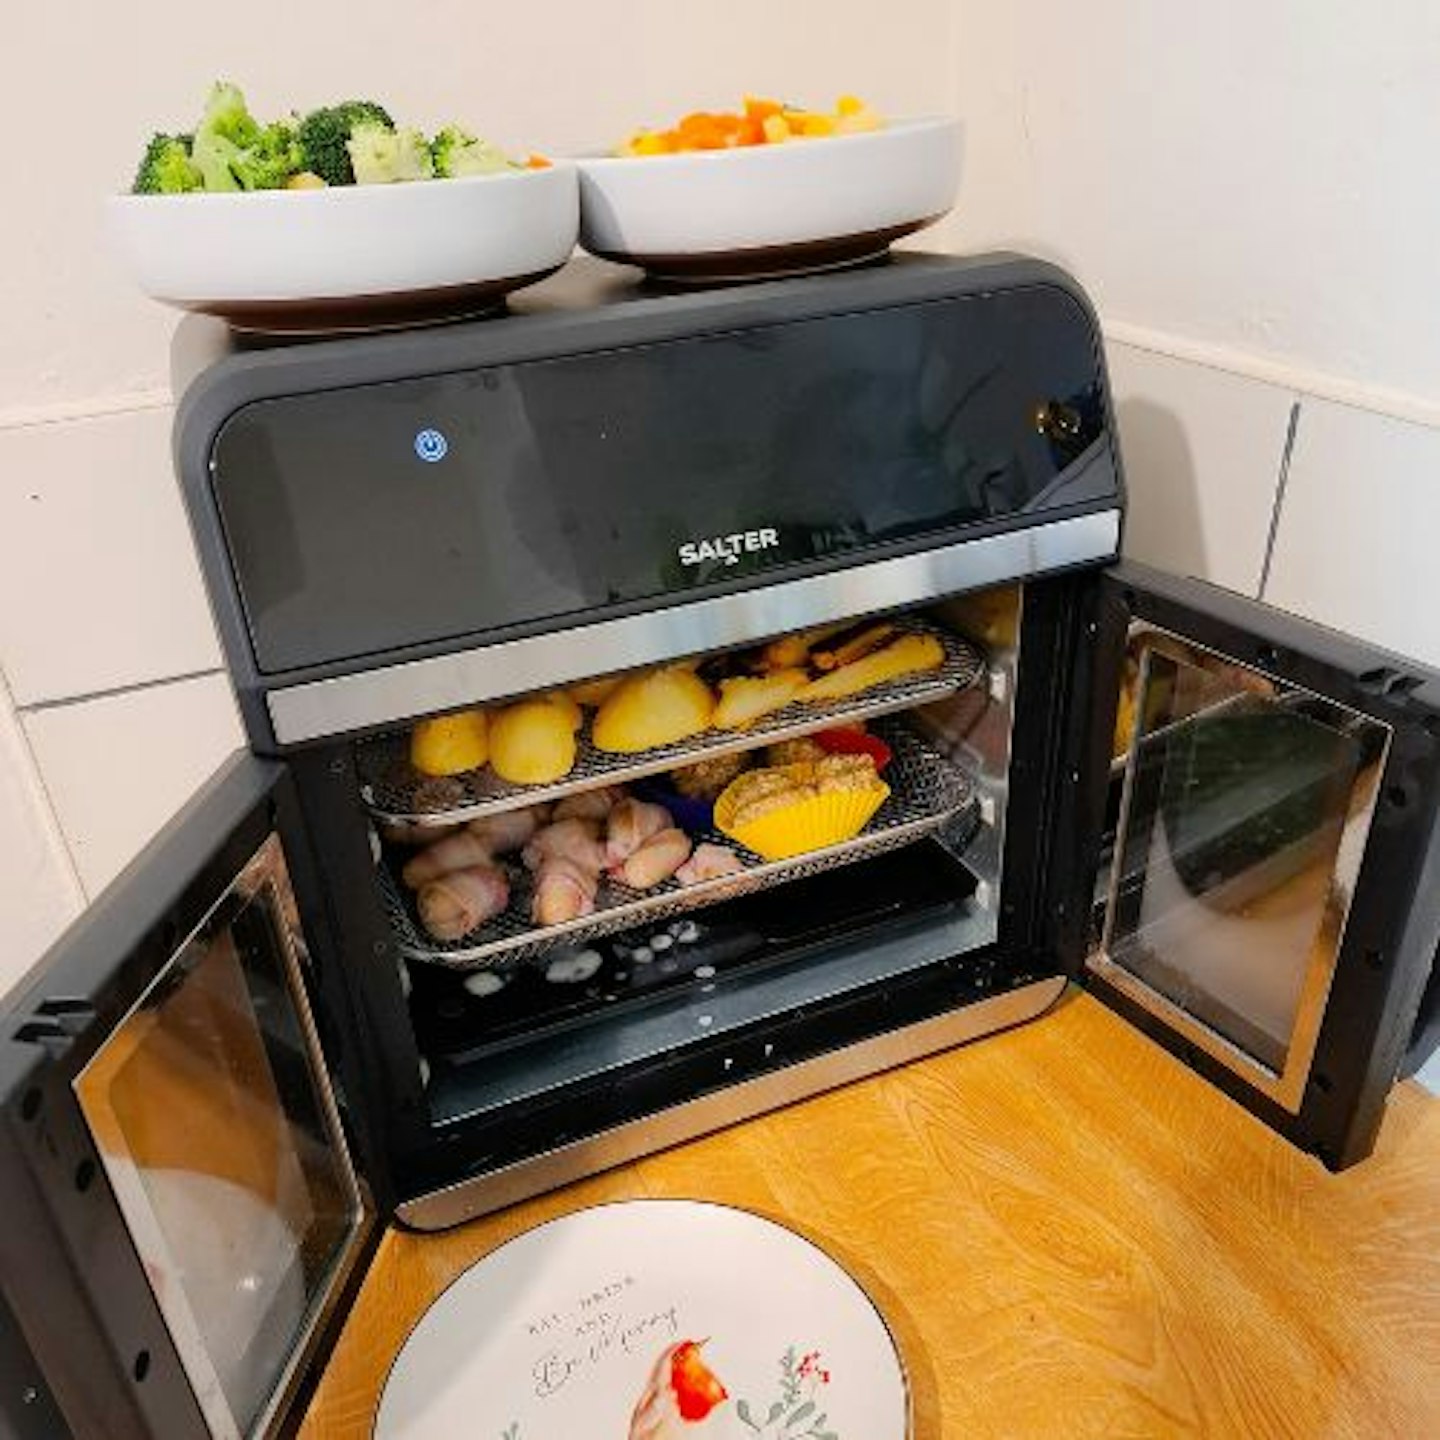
[(431, 446)]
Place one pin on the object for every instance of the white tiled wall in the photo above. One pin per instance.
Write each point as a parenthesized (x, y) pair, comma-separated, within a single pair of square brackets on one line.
[(99, 587), (100, 593), (117, 768), (39, 892), (1253, 177), (1358, 546), (1202, 451)]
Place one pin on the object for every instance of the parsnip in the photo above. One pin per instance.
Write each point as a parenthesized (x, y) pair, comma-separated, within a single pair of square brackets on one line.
[(791, 650), (856, 648), (745, 698), (909, 655)]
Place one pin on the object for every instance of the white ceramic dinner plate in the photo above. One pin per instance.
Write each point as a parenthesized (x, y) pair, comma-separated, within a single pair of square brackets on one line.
[(649, 1320), (355, 257), (763, 210)]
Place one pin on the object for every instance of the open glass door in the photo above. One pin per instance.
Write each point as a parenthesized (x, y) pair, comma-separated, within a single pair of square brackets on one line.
[(1266, 903), (193, 1090)]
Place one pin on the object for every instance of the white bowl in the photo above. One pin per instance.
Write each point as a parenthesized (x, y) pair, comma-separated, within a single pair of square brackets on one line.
[(351, 257), (765, 209)]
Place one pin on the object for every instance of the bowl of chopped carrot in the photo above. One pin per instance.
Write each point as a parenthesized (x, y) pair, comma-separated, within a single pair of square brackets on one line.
[(768, 189)]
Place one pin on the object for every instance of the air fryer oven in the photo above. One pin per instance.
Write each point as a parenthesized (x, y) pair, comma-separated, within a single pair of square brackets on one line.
[(411, 526), (1220, 820)]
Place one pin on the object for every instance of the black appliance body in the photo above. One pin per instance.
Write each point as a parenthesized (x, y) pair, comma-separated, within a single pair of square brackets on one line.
[(1221, 820)]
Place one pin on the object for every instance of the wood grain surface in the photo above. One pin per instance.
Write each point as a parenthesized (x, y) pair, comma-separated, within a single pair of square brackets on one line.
[(1070, 1235)]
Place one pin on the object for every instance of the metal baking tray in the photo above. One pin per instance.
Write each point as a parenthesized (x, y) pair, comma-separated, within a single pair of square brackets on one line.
[(395, 791), (927, 792)]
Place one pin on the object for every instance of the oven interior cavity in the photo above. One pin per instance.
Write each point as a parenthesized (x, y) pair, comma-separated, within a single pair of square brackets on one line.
[(626, 864)]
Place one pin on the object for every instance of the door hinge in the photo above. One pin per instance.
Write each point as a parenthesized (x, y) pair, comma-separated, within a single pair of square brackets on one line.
[(56, 1023)]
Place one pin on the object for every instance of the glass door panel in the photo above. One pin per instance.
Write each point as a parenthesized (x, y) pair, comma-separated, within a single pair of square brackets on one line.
[(212, 1112), (1244, 814)]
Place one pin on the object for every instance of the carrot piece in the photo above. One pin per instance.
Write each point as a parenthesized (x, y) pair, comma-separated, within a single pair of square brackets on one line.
[(730, 129), (760, 121), (700, 131)]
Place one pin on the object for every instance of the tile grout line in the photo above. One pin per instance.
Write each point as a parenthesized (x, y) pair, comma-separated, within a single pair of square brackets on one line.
[(41, 707), (1282, 480), (72, 412), (59, 842)]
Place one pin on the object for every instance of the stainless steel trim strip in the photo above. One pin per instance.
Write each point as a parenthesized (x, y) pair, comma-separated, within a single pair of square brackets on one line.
[(485, 1193), (397, 693)]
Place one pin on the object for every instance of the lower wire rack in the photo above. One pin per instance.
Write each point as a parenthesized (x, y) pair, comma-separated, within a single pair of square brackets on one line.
[(927, 793)]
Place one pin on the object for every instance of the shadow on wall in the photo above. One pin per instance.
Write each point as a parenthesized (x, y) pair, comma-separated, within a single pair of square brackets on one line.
[(1162, 526), (197, 343)]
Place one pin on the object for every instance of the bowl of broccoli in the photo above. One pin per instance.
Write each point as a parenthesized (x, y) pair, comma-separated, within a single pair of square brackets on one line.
[(337, 220)]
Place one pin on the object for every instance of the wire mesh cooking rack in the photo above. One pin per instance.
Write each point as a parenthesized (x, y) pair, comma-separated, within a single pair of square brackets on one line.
[(927, 793), (395, 791)]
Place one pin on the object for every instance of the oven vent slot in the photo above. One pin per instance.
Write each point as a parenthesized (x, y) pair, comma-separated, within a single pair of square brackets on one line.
[(928, 793), (394, 791), (1385, 681)]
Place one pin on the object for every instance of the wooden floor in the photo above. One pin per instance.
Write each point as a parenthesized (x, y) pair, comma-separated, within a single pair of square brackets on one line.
[(1070, 1235)]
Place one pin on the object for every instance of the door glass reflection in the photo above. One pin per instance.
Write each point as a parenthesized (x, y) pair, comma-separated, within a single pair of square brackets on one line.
[(220, 1145), (1243, 820)]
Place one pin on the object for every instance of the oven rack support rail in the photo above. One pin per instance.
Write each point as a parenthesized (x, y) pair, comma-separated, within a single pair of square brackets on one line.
[(928, 793), (395, 792)]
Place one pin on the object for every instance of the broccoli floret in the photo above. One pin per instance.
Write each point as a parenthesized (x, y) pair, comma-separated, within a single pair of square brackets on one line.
[(225, 132), (445, 145), (457, 152), (215, 157), (269, 163), (233, 151), (167, 168), (227, 115), (381, 157), (325, 133), (219, 160)]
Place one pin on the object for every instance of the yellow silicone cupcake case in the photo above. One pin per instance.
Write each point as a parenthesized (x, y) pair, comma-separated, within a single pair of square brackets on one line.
[(809, 824)]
